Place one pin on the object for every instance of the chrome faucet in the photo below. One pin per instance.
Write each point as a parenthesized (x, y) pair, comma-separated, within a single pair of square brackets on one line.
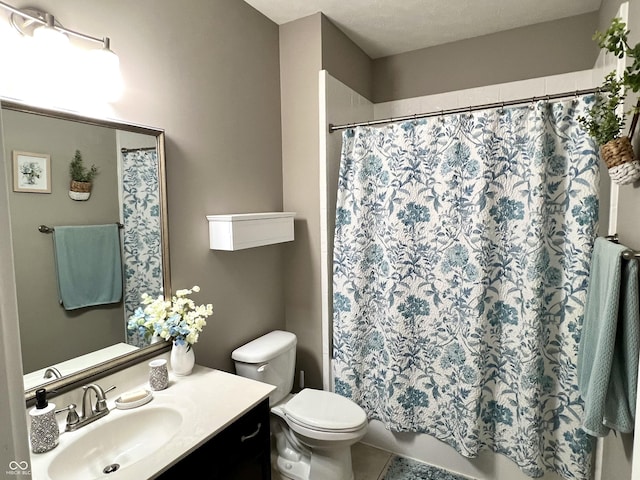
[(101, 401), (88, 414), (52, 372)]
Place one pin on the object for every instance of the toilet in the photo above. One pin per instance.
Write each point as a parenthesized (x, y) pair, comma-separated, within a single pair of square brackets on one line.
[(313, 429)]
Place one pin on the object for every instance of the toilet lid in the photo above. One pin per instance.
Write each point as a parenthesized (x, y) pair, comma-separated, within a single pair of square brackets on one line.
[(325, 411)]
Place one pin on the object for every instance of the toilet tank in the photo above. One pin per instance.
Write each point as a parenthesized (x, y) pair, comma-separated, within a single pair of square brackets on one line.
[(269, 359)]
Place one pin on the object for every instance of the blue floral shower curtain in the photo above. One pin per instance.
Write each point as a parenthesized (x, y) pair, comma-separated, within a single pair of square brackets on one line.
[(142, 251), (461, 262)]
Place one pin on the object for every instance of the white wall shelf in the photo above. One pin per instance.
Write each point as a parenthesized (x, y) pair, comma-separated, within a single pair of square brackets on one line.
[(247, 230)]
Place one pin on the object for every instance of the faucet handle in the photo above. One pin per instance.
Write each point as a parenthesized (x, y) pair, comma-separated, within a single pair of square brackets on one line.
[(101, 403), (72, 416), (52, 372)]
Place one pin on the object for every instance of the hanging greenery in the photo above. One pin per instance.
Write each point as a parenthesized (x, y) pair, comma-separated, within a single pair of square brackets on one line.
[(79, 172), (604, 122)]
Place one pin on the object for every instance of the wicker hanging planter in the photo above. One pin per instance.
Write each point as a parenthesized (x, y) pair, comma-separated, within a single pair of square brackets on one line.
[(80, 186), (616, 152), (605, 119), (620, 159), (80, 191), (81, 178)]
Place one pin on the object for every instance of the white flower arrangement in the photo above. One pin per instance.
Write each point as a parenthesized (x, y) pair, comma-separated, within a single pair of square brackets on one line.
[(179, 319)]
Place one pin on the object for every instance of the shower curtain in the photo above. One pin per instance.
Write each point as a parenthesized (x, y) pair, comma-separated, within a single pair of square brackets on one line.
[(142, 250), (461, 261)]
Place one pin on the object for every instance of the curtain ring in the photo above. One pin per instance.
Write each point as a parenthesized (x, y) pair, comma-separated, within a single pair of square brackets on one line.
[(532, 104), (598, 92), (441, 116)]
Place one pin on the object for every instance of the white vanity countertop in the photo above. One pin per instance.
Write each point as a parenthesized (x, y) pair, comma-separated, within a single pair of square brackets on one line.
[(208, 400)]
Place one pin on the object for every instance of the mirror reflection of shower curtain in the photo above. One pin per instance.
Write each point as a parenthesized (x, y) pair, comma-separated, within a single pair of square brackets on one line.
[(461, 260), (142, 242)]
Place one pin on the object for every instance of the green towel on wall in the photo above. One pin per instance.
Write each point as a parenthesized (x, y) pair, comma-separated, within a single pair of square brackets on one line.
[(88, 265), (610, 342)]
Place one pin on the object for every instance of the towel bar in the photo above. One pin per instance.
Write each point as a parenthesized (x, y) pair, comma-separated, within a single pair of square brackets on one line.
[(627, 254), (630, 255), (45, 229)]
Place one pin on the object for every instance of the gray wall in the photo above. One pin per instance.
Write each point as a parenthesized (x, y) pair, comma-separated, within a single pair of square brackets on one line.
[(45, 326), (351, 65), (208, 73), (547, 48), (300, 62), (535, 51), (307, 46)]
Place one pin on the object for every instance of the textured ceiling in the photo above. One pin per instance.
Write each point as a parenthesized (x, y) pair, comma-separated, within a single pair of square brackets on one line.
[(388, 27)]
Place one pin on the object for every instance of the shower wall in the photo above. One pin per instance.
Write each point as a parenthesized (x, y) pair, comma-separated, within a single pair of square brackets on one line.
[(338, 105)]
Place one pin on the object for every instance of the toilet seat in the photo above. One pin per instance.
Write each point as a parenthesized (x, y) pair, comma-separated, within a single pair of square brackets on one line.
[(313, 430), (323, 411)]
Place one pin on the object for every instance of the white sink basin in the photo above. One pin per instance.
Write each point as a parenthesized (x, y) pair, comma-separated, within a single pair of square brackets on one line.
[(149, 439), (114, 442)]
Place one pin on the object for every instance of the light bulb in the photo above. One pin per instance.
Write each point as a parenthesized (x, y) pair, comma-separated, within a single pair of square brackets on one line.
[(48, 37), (104, 68), (12, 53)]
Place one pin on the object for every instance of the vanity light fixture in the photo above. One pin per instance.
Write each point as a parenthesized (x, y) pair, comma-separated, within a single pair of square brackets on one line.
[(47, 33), (105, 66), (51, 35)]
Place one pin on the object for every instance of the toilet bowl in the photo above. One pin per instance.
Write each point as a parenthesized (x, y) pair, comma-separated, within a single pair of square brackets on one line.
[(322, 427), (313, 429)]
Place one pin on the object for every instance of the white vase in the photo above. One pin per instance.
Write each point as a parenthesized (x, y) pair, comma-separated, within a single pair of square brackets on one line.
[(182, 359)]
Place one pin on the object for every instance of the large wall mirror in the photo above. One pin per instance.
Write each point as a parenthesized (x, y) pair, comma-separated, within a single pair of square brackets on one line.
[(62, 346)]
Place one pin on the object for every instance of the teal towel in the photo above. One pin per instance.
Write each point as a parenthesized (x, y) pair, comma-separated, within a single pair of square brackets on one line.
[(610, 342), (89, 265)]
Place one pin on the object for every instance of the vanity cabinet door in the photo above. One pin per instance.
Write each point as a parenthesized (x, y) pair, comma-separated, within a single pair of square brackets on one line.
[(239, 452), (245, 446)]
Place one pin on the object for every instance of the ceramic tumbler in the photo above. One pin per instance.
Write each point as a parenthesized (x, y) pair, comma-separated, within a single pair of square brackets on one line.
[(158, 374)]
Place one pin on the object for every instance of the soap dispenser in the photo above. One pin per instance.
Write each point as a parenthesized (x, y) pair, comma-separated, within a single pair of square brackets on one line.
[(44, 426)]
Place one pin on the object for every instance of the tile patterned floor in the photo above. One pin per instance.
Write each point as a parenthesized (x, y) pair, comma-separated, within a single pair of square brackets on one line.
[(370, 463), (400, 468)]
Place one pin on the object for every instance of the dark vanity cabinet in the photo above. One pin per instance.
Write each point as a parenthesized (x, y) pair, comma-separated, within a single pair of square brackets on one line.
[(239, 452)]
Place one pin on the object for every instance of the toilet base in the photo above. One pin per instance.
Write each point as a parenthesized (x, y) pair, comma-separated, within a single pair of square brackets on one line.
[(292, 470), (321, 465)]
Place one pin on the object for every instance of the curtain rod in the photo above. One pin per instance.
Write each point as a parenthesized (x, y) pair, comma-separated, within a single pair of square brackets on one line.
[(473, 108), (126, 150)]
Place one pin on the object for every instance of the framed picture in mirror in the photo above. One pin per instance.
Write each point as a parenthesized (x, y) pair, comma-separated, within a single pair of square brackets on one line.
[(31, 172)]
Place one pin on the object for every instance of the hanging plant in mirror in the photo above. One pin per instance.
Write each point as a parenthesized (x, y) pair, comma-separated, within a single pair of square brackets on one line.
[(81, 178)]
